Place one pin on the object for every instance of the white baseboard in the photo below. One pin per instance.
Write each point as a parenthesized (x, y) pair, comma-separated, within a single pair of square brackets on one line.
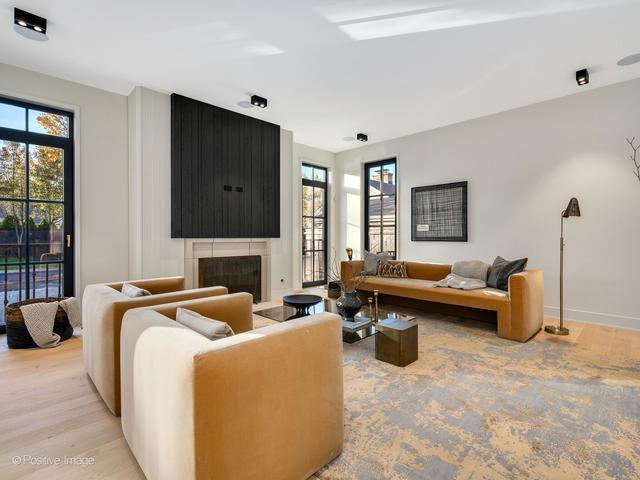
[(609, 320)]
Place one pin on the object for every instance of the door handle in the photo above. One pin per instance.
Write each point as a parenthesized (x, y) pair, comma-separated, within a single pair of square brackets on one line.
[(68, 241)]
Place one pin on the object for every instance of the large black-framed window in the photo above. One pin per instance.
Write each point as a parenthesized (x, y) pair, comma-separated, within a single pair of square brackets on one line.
[(36, 201), (315, 216), (380, 216)]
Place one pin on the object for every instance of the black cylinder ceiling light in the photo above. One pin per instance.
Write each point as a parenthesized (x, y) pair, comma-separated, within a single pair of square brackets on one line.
[(582, 77)]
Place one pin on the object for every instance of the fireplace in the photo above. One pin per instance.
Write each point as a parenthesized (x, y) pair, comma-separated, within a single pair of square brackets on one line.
[(237, 273), (196, 249)]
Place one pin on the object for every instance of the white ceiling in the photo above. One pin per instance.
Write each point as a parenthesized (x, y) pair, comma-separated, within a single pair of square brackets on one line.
[(333, 68)]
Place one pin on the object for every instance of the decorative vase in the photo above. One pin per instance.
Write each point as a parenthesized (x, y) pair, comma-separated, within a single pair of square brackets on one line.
[(348, 305), (333, 291)]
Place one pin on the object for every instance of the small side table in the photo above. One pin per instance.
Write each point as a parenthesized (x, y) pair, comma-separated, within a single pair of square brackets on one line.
[(301, 302), (397, 342)]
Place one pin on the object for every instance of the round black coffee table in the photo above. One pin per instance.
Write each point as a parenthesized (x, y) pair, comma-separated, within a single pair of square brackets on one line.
[(301, 302)]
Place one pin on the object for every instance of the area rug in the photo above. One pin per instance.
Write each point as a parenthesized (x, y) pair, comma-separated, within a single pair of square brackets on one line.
[(475, 406)]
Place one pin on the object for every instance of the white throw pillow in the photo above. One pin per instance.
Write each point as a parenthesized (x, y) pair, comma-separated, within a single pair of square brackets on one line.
[(132, 291), (461, 283), (208, 327), (471, 269)]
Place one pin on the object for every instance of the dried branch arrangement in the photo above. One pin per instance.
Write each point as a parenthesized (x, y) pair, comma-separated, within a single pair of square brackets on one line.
[(634, 156), (357, 277)]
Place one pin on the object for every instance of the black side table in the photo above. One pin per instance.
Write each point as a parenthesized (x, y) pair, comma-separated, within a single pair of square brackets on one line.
[(301, 302)]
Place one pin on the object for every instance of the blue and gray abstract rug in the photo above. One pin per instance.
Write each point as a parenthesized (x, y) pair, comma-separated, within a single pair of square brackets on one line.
[(475, 406)]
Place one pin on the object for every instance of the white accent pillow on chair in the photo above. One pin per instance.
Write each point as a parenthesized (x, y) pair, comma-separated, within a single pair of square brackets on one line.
[(207, 327), (132, 291)]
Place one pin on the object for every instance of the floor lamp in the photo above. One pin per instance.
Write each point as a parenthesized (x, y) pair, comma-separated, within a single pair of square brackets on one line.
[(572, 210)]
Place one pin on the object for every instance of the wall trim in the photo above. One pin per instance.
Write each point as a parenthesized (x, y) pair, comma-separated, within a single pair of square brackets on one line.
[(596, 318), (136, 194)]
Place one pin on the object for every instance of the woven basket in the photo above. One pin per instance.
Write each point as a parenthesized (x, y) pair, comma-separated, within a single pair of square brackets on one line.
[(17, 334)]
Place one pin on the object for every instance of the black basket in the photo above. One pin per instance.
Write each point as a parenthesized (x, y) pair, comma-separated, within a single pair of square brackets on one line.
[(17, 334)]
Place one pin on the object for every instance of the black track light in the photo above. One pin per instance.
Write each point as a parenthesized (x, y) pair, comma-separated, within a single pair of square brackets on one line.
[(29, 21), (258, 101), (362, 137), (582, 76)]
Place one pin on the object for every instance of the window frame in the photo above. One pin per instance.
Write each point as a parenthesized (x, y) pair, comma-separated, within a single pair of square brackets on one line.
[(67, 145), (325, 186), (368, 167)]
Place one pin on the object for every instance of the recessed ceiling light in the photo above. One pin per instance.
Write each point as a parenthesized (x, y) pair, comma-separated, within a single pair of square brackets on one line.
[(258, 101), (30, 25), (629, 60), (582, 76), (362, 137)]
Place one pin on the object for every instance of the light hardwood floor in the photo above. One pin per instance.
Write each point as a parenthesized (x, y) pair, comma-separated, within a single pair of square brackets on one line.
[(49, 408)]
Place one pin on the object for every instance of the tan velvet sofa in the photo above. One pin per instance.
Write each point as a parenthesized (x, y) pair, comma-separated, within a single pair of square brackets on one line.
[(266, 403), (519, 311), (103, 306)]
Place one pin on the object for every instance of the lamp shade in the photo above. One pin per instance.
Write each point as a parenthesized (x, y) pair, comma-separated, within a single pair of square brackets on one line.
[(573, 209)]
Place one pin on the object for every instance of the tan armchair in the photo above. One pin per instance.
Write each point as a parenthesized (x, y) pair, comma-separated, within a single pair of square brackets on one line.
[(266, 403), (103, 306)]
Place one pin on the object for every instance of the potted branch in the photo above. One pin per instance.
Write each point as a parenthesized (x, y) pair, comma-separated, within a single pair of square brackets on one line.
[(348, 303)]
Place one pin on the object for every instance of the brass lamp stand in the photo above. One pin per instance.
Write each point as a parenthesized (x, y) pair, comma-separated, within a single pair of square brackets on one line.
[(572, 210)]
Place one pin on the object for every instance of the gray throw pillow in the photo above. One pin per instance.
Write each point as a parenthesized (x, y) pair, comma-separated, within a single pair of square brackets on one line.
[(132, 291), (208, 327), (471, 269), (502, 269), (371, 261)]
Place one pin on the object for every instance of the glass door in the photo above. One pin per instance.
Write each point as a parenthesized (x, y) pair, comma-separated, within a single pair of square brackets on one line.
[(314, 225), (36, 202)]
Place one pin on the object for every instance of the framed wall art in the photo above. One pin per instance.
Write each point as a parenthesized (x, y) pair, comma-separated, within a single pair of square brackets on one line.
[(439, 213)]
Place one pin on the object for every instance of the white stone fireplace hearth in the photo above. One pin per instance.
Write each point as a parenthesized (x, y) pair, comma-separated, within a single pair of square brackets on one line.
[(197, 248)]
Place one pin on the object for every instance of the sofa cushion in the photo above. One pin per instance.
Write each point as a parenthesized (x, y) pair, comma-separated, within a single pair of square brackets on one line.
[(371, 261), (131, 291), (427, 271), (485, 298), (502, 269), (471, 269), (208, 327)]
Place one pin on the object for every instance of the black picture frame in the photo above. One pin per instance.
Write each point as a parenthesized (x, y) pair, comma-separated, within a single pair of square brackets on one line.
[(442, 209)]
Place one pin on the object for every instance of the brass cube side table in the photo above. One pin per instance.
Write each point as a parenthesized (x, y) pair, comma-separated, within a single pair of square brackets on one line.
[(397, 342)]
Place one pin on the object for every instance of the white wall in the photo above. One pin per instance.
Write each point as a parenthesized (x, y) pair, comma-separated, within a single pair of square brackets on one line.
[(101, 168), (523, 166), (152, 251), (313, 156)]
